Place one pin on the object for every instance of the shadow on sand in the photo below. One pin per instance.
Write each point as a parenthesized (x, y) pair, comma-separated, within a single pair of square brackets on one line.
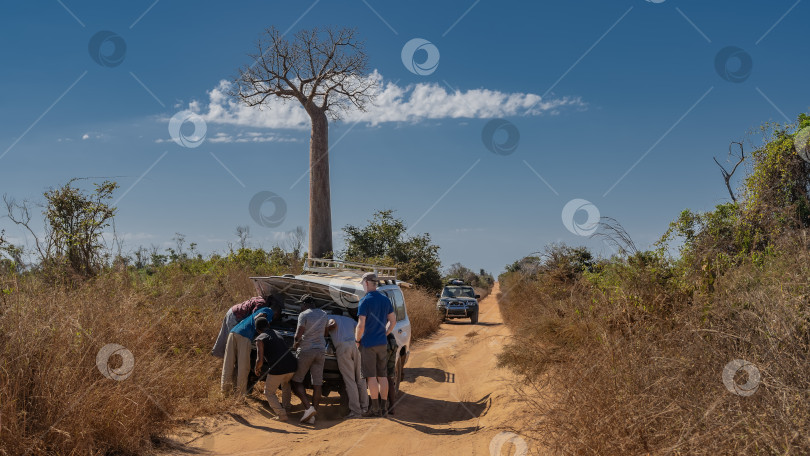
[(411, 375), (417, 410)]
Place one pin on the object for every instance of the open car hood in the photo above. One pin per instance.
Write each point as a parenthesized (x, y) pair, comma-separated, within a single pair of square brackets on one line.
[(290, 289)]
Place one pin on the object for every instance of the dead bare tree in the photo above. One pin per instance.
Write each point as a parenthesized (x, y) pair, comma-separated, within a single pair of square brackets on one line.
[(243, 233), (295, 242), (325, 70), (726, 174), (20, 214)]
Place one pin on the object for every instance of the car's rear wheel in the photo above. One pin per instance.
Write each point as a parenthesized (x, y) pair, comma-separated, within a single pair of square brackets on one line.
[(474, 318), (398, 375)]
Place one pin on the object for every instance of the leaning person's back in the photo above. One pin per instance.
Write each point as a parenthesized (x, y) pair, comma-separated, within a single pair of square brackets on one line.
[(343, 331), (276, 353), (314, 323)]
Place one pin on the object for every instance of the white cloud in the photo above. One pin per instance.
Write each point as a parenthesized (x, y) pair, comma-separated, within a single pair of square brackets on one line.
[(412, 103), (93, 135), (241, 137), (251, 136)]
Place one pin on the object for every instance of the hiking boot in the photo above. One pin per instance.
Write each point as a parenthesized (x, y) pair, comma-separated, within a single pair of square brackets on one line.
[(352, 416), (373, 410), (383, 408), (308, 413)]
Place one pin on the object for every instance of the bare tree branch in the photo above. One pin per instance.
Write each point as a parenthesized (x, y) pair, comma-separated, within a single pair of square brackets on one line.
[(323, 70), (726, 174), (20, 214)]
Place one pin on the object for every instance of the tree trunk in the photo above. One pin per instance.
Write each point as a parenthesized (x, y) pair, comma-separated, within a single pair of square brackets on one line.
[(320, 207)]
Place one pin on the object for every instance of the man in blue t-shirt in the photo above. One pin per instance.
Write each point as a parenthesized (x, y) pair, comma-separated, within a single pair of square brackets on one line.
[(376, 319), (237, 349)]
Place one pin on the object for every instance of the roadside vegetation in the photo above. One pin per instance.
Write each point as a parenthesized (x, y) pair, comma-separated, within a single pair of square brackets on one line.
[(384, 240), (627, 355), (70, 294)]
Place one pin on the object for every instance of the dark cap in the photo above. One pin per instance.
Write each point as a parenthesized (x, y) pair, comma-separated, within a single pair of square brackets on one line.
[(369, 277), (305, 299)]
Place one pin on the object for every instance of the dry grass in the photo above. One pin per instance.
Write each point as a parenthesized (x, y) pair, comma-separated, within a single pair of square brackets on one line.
[(628, 363), (55, 400), (483, 292), (425, 320)]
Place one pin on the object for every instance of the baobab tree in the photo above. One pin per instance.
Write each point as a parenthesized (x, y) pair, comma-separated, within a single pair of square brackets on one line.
[(326, 71)]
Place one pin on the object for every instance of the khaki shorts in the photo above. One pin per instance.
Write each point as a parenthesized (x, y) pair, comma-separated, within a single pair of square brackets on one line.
[(374, 360), (312, 361)]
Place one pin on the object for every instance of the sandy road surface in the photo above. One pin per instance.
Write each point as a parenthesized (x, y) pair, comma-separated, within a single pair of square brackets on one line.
[(454, 401)]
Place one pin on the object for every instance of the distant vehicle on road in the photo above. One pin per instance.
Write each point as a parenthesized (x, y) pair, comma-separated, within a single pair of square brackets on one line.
[(458, 300)]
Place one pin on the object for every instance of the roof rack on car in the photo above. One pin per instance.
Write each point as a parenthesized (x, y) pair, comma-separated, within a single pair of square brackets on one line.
[(327, 266)]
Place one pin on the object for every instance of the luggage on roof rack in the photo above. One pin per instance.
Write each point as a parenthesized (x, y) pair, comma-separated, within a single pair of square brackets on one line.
[(327, 266)]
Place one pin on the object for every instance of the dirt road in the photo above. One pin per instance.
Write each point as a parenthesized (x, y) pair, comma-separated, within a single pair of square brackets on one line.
[(454, 401)]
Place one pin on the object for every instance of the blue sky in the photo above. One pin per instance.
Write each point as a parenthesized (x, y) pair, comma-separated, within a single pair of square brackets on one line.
[(617, 80)]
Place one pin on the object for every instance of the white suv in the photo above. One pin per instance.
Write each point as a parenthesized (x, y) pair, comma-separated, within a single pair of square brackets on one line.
[(335, 287)]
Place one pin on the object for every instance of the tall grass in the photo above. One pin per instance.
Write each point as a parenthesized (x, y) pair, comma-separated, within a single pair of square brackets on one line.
[(425, 319), (642, 354), (54, 398), (627, 359)]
